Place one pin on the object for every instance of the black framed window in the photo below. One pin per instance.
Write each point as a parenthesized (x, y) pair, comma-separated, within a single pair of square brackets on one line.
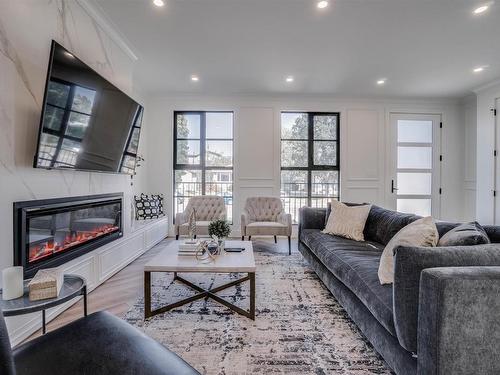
[(129, 158), (310, 157), (67, 117), (203, 157)]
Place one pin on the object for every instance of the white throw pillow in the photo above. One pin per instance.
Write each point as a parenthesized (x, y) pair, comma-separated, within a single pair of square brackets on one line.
[(422, 232), (347, 221)]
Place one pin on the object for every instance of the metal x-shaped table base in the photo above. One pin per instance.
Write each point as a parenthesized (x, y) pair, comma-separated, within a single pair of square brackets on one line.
[(203, 293)]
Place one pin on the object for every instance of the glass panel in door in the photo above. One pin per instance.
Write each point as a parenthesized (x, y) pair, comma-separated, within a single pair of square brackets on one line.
[(415, 178)]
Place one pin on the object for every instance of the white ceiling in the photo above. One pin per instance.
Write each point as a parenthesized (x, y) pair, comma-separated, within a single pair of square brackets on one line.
[(425, 48)]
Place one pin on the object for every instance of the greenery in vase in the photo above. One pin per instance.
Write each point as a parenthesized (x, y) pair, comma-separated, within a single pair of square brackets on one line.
[(219, 229)]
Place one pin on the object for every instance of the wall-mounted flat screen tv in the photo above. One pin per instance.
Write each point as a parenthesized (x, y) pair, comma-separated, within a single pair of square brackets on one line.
[(87, 123)]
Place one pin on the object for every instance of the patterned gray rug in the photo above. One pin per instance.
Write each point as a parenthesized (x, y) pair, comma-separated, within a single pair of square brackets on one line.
[(299, 328)]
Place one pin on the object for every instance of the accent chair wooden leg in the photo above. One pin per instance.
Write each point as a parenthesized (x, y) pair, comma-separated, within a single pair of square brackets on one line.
[(195, 236), (289, 245), (176, 237), (275, 239), (243, 238), (249, 238), (147, 294)]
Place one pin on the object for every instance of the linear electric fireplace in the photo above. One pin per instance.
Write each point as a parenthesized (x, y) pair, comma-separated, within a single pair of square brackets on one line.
[(50, 232)]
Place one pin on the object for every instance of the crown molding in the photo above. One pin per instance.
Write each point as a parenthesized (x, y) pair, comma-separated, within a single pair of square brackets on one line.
[(100, 17), (487, 86)]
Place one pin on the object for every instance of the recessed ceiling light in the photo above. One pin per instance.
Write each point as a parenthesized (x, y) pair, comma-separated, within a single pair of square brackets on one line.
[(322, 4), (195, 78), (289, 79), (479, 69), (159, 3), (481, 9), (381, 81)]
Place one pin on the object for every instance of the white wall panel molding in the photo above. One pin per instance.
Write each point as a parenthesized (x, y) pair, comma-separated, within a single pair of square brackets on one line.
[(256, 186), (362, 147), (111, 259), (362, 179), (255, 143), (363, 128), (85, 268), (361, 187)]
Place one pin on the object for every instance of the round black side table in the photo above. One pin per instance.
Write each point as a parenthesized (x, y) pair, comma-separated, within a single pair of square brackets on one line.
[(73, 286)]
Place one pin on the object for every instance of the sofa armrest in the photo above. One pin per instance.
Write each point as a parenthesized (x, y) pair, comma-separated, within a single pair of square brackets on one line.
[(286, 219), (409, 262), (311, 218), (245, 220), (458, 321)]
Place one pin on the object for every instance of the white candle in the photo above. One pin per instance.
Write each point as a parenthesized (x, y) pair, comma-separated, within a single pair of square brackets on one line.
[(12, 283)]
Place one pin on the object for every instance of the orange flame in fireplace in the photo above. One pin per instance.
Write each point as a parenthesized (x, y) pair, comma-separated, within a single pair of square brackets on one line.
[(72, 240)]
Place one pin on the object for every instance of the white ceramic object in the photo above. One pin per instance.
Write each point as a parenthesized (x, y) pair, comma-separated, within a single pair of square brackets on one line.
[(12, 283)]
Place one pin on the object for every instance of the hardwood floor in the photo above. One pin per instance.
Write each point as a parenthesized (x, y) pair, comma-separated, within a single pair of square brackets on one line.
[(120, 292)]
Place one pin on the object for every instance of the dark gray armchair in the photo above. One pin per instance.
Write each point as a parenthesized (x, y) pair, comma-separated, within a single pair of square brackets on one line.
[(97, 344)]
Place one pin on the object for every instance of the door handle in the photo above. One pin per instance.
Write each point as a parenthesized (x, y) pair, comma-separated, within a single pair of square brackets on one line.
[(393, 189)]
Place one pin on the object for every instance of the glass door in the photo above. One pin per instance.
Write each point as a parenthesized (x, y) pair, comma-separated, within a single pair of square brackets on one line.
[(414, 185)]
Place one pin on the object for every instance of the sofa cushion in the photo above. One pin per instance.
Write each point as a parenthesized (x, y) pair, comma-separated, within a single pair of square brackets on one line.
[(355, 264), (267, 228), (266, 224), (383, 224), (347, 222), (466, 234)]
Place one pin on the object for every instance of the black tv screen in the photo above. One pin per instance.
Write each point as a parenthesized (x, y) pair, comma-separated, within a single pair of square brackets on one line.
[(87, 123)]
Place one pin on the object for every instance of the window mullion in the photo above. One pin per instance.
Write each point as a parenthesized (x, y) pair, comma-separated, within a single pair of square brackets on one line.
[(310, 156), (203, 149)]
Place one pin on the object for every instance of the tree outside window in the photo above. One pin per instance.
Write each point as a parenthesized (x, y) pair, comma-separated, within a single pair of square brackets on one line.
[(309, 160), (203, 157)]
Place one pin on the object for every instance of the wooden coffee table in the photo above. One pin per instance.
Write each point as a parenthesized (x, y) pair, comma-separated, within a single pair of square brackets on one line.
[(169, 261)]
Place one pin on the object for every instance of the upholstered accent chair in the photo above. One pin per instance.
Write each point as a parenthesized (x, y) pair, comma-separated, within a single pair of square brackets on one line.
[(207, 208), (264, 216)]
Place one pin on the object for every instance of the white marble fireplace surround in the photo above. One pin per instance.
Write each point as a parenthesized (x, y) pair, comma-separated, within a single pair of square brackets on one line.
[(26, 30)]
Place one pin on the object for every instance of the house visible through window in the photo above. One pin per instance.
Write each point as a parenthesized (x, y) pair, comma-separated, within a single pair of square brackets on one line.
[(203, 157), (309, 160)]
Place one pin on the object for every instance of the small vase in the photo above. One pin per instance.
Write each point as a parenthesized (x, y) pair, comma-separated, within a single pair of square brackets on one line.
[(222, 244)]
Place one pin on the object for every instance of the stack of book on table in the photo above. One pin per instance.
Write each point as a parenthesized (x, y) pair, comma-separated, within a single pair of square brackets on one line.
[(188, 248)]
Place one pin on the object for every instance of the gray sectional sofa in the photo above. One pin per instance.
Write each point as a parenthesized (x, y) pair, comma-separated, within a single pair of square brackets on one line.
[(441, 315)]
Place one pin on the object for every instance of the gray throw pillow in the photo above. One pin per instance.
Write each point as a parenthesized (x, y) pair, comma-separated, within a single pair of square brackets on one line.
[(466, 234)]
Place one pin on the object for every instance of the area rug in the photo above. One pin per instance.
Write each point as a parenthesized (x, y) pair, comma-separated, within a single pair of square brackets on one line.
[(299, 327)]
